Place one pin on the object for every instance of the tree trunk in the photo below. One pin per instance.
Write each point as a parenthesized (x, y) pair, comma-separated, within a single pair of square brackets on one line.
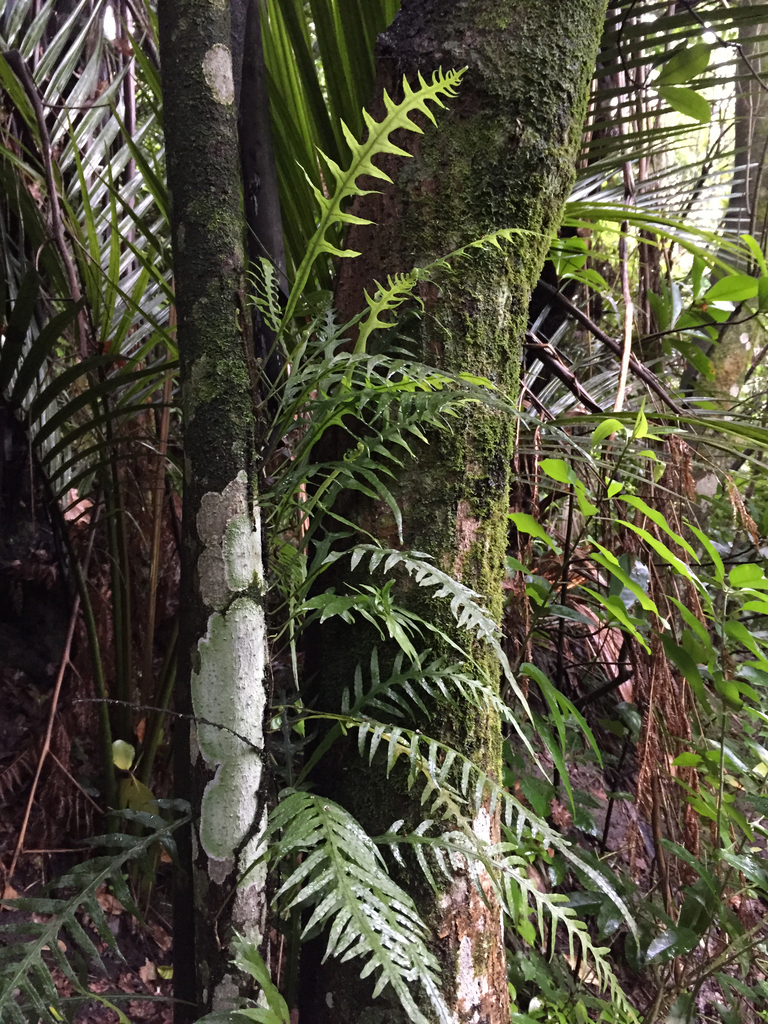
[(222, 636), (502, 156)]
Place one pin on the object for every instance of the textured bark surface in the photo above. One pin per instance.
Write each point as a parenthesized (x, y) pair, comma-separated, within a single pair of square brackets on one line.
[(221, 642), (503, 155)]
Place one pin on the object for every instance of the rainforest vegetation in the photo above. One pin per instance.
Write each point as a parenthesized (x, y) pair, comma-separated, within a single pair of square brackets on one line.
[(383, 511)]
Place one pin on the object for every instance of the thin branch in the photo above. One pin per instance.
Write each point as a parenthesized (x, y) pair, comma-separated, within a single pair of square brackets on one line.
[(48, 734), (641, 372), (548, 355)]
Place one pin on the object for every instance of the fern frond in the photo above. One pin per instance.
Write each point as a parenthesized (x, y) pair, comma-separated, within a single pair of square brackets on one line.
[(266, 296), (332, 208), (26, 990), (344, 879), (456, 789), (437, 679), (465, 605), (516, 892), (386, 299)]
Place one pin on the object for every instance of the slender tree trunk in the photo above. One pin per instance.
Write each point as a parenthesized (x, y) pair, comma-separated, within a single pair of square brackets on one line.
[(222, 635), (502, 156)]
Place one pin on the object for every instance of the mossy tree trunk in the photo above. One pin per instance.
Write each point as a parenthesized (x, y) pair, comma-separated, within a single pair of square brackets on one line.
[(222, 637), (503, 155)]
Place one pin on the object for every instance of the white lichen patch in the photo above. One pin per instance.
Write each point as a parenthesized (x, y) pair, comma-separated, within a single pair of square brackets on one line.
[(470, 988), (228, 687), (231, 558), (217, 69), (241, 547), (250, 906), (226, 995)]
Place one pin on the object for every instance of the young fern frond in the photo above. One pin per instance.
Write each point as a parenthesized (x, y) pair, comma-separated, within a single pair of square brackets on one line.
[(344, 879), (27, 992), (332, 208), (266, 296)]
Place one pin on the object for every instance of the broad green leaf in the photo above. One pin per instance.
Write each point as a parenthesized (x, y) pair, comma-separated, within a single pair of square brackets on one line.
[(605, 429), (557, 469), (615, 487), (683, 65), (748, 576), (527, 524), (687, 101), (640, 429), (122, 755), (733, 288), (738, 631), (687, 760)]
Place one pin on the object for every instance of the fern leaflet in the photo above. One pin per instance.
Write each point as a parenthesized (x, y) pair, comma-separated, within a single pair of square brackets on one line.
[(343, 877), (332, 210)]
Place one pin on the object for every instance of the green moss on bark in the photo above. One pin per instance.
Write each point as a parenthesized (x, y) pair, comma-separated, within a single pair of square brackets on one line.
[(203, 165), (502, 156)]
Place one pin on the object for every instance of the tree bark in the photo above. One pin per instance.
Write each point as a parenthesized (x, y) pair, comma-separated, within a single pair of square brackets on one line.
[(222, 636), (503, 155)]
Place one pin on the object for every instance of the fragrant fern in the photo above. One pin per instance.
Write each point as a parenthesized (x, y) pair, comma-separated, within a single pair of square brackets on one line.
[(332, 208), (342, 877), (27, 992)]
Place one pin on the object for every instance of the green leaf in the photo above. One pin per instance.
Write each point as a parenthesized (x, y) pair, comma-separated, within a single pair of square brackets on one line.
[(683, 65), (248, 959), (733, 288), (605, 429), (687, 760), (685, 663), (557, 469), (717, 562), (527, 524), (748, 576), (738, 631), (656, 517), (640, 429), (687, 101), (122, 755)]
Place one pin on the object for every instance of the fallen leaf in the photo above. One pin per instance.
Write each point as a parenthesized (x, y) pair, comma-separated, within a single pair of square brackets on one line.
[(560, 814), (161, 937), (148, 972), (109, 904), (9, 893)]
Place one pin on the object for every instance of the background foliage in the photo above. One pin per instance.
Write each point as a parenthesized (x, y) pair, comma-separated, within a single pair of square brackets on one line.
[(631, 865)]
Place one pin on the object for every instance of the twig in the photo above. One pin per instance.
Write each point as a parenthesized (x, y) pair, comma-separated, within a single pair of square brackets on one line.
[(629, 311), (48, 734), (548, 355), (52, 713), (640, 371), (75, 783)]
